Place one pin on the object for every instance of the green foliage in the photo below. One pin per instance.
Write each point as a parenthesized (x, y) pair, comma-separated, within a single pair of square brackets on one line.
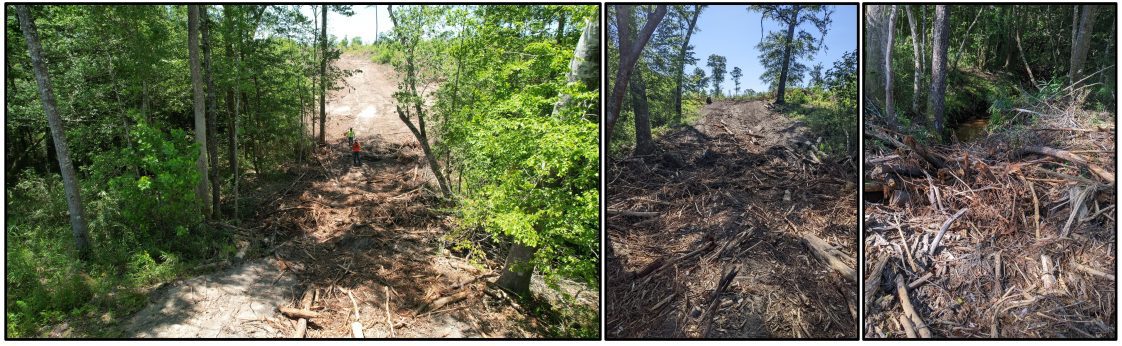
[(525, 172), (802, 44), (716, 64), (159, 200), (119, 74)]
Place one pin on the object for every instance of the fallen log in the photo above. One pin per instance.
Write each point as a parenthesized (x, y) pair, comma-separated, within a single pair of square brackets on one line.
[(298, 313), (632, 213), (881, 134), (1092, 271), (910, 311), (900, 168), (1067, 155), (830, 255), (439, 303), (925, 153), (872, 284)]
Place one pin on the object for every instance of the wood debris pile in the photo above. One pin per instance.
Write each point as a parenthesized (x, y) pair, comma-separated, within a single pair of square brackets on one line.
[(1009, 236)]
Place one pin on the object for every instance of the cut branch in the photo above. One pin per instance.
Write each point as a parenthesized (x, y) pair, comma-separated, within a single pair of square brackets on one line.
[(1067, 155), (906, 304), (943, 230)]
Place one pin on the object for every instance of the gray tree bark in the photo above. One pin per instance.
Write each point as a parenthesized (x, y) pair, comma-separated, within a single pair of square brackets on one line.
[(939, 66), (889, 103), (518, 270), (323, 78), (1081, 45), (643, 143), (585, 65), (71, 187), (628, 56), (211, 113), (793, 21), (917, 71), (233, 103), (682, 62), (876, 32), (418, 130), (199, 98)]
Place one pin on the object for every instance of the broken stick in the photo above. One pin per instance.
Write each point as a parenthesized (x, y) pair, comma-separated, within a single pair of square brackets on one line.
[(1092, 271), (906, 304), (943, 230)]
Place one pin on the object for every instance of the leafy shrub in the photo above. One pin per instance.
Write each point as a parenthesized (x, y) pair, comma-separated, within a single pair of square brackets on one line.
[(151, 188)]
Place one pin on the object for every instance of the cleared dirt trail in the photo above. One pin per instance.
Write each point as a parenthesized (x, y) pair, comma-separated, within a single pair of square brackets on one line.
[(362, 243), (733, 199)]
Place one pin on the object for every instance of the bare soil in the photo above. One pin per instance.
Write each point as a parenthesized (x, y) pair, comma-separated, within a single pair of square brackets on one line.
[(361, 243), (732, 195)]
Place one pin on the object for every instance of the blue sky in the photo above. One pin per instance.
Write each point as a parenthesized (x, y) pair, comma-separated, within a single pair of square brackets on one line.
[(733, 32)]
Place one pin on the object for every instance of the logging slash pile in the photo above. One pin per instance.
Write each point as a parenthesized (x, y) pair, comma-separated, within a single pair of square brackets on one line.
[(1009, 236), (735, 229)]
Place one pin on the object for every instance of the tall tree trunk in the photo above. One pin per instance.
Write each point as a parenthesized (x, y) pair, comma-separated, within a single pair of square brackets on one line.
[(518, 270), (628, 56), (876, 32), (1081, 44), (917, 67), (923, 44), (233, 104), (585, 65), (199, 105), (643, 143), (889, 103), (680, 75), (418, 130), (211, 113), (323, 77), (70, 182), (792, 22), (939, 66)]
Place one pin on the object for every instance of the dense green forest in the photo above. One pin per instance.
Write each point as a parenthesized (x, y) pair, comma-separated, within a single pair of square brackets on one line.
[(968, 63), (664, 94), (141, 138)]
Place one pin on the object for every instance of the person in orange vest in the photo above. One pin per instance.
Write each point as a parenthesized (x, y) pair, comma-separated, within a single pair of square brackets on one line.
[(355, 149)]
